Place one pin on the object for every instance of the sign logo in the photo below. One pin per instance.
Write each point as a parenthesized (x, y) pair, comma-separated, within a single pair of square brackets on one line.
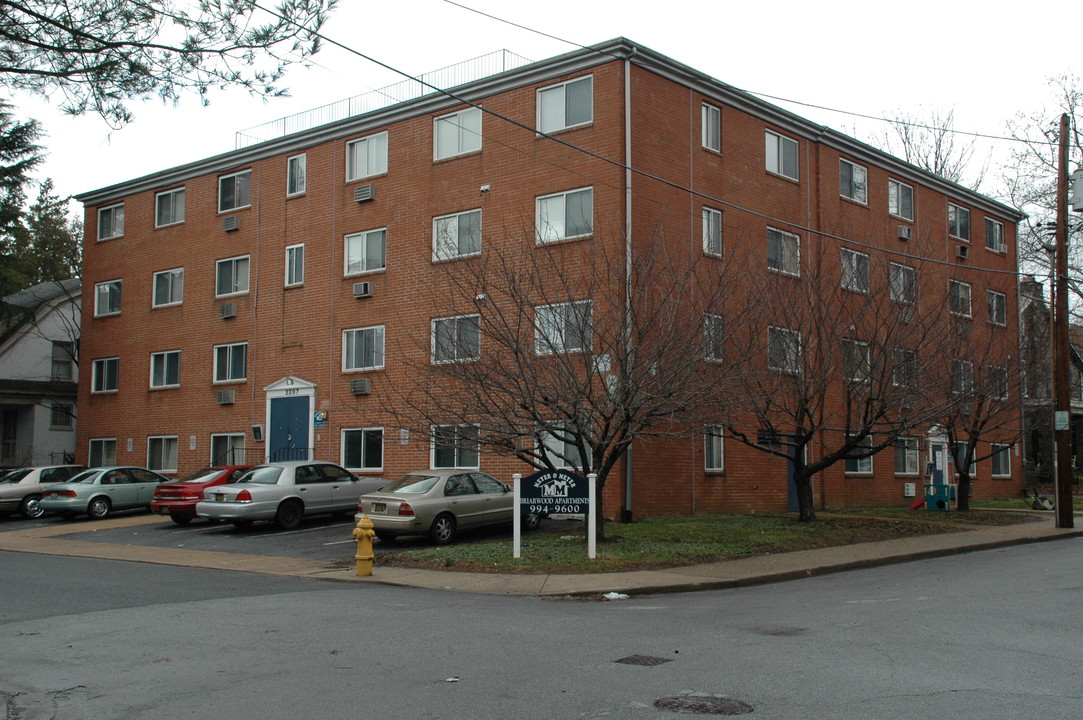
[(554, 492)]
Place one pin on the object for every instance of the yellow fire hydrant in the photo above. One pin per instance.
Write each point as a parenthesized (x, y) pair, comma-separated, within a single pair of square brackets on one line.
[(363, 534)]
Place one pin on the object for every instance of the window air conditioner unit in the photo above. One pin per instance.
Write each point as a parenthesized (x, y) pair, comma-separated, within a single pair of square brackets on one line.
[(227, 310), (962, 252), (364, 193), (231, 223), (910, 489), (227, 397), (362, 289), (257, 433), (1002, 248), (905, 232), (361, 386)]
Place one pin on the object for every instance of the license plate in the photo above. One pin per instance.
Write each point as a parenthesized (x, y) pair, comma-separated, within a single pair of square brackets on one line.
[(379, 507), (163, 511), (219, 497)]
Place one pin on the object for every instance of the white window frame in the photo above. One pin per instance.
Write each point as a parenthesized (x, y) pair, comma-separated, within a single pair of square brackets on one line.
[(714, 337), (106, 450), (111, 222), (711, 123), (242, 191), (362, 240), (551, 327), (173, 279), (555, 98), (959, 298), (712, 232), (458, 349), (448, 235), (997, 381), (229, 350), (856, 275), (377, 333), (104, 295), (997, 307), (461, 453), (549, 227), (857, 178), (295, 265), (856, 361), (960, 447), (558, 450), (375, 149), (903, 283), (62, 360), (776, 156), (168, 453), (457, 133), (99, 379), (714, 449), (860, 465), (994, 236), (904, 368), (908, 452), (962, 376), (958, 222), (784, 343), (235, 284), (1000, 450), (174, 200), (897, 191), (365, 465), (61, 416), (159, 369), (234, 442), (296, 175), (788, 251)]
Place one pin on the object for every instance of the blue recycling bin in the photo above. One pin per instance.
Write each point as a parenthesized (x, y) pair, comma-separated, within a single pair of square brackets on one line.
[(938, 497)]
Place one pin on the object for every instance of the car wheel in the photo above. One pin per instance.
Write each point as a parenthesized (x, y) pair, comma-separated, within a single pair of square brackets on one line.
[(531, 522), (289, 515), (31, 507), (442, 531), (98, 508), (181, 519), (66, 515), (385, 536), (242, 524)]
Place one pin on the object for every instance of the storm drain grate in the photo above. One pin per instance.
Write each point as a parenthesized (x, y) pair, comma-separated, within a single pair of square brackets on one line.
[(644, 660), (703, 705)]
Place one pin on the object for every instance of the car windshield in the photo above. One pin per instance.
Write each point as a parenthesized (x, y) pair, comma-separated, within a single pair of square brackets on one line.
[(85, 476), (204, 475), (412, 484), (267, 475), (16, 475)]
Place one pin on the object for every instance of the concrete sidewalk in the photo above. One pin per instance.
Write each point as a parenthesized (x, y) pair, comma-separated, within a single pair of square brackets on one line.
[(724, 574)]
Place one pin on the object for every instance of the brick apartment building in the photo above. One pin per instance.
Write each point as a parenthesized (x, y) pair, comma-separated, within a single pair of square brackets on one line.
[(261, 299)]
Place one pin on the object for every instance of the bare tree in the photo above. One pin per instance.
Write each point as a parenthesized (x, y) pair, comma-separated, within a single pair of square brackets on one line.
[(931, 143)]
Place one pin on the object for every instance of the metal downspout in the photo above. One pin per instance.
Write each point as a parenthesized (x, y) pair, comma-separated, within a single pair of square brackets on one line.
[(626, 513)]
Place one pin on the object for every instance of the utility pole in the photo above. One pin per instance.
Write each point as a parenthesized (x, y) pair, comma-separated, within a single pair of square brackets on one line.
[(1062, 413)]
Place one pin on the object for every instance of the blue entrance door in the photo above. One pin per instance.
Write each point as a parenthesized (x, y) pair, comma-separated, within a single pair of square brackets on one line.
[(288, 438)]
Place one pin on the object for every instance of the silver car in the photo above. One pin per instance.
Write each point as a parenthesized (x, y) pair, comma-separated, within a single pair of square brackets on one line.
[(20, 490), (285, 492), (99, 491), (439, 503)]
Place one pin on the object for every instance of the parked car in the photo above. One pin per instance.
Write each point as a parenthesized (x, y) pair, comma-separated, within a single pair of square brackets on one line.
[(99, 491), (20, 489), (440, 503), (178, 499), (285, 492)]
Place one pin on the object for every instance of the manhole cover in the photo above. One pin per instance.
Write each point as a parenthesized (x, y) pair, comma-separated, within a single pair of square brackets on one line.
[(703, 705), (642, 660)]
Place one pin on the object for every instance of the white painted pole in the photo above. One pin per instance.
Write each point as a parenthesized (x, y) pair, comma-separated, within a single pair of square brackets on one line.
[(517, 520), (592, 517)]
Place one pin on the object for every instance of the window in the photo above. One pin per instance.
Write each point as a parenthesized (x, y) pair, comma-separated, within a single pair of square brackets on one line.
[(566, 105), (228, 449), (713, 337), (230, 362), (994, 235), (998, 307), (363, 348), (111, 222), (855, 270), (168, 287), (366, 157), (958, 222), (996, 378), (565, 215), (63, 360), (904, 368), (559, 441), (295, 265), (165, 369), (231, 276), (169, 207), (783, 252), (781, 155), (962, 376), (457, 134), (959, 455), (903, 281), (852, 182), (61, 416), (457, 235), (456, 339), (855, 361), (712, 449), (712, 232), (366, 251), (296, 175), (563, 327), (363, 448), (103, 451), (712, 128), (783, 350), (959, 298), (235, 191), (455, 446), (1001, 460), (106, 375), (907, 456), (900, 200), (162, 453), (858, 460), (107, 298)]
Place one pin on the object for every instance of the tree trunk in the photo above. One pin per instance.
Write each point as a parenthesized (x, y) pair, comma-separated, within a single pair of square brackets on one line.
[(806, 501), (962, 491)]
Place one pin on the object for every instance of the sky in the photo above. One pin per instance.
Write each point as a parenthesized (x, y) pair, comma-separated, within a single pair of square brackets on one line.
[(868, 58)]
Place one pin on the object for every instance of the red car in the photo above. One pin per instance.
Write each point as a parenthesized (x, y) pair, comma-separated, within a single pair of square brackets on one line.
[(178, 499)]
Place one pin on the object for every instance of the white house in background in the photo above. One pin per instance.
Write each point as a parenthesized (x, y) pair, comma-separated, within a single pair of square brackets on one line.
[(39, 373)]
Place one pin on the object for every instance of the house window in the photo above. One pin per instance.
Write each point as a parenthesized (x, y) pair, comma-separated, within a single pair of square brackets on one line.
[(168, 287), (566, 105), (456, 446), (713, 337), (103, 451), (456, 339), (106, 375), (559, 441), (457, 235), (858, 460), (235, 191), (852, 182), (781, 155), (997, 380), (855, 270), (783, 252), (231, 362), (363, 348), (962, 376), (63, 360), (903, 281), (783, 350), (998, 307), (1001, 460), (855, 361), (162, 453), (61, 416), (363, 448), (111, 222), (900, 200), (712, 128), (169, 207), (295, 265), (904, 368), (228, 449), (959, 456), (958, 222), (907, 456), (994, 235), (296, 175), (366, 157), (231, 276), (713, 455), (107, 298), (712, 232), (457, 134), (959, 298), (562, 327), (565, 215), (165, 369), (366, 251)]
